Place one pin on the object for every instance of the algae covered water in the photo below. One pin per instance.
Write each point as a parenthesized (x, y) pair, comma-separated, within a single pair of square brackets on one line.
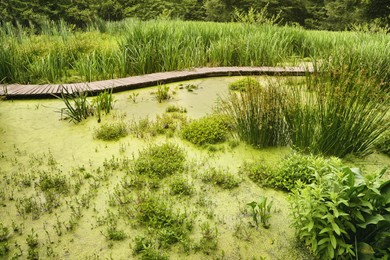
[(65, 194)]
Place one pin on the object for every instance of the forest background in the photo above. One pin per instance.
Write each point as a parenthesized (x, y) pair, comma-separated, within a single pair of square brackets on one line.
[(311, 14)]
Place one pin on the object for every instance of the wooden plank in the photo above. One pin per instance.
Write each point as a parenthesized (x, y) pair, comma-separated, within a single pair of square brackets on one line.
[(16, 90)]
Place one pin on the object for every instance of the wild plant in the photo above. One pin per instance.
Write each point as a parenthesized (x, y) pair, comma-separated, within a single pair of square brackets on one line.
[(162, 93), (221, 178), (257, 115), (293, 168), (32, 243), (175, 109), (103, 102), (111, 132), (343, 214), (160, 160), (207, 130), (4, 232), (77, 108), (133, 96), (242, 84), (261, 211), (341, 111), (209, 240), (181, 186)]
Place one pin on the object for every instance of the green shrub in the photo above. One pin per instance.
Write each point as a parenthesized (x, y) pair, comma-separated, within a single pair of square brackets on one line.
[(295, 167), (110, 132), (181, 186), (160, 160), (244, 83), (207, 130), (344, 214), (220, 178)]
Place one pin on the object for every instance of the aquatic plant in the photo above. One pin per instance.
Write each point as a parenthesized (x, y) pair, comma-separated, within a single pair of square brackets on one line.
[(244, 83), (104, 101), (343, 214), (257, 115), (181, 186), (162, 93), (221, 178), (177, 109), (113, 131), (160, 160), (207, 130), (77, 105), (261, 211)]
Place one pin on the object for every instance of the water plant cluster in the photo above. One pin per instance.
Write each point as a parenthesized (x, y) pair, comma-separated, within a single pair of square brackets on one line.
[(133, 47), (336, 112)]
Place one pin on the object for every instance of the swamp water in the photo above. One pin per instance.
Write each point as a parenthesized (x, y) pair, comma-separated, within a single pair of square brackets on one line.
[(75, 219)]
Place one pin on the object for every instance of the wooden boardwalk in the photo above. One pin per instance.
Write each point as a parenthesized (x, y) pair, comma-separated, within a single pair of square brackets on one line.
[(16, 91)]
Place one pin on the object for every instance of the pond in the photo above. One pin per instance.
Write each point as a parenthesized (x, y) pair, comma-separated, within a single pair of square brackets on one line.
[(79, 216)]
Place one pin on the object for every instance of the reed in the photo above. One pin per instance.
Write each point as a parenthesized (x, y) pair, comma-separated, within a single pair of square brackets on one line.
[(59, 54), (257, 115)]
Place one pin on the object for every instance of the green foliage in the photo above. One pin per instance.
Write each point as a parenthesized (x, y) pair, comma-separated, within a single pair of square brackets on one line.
[(257, 115), (261, 211), (207, 130), (294, 168), (170, 227), (103, 102), (4, 232), (175, 109), (220, 178), (209, 241), (54, 182), (162, 93), (383, 144), (77, 106), (343, 214), (113, 131), (340, 111), (160, 160), (244, 83), (181, 186)]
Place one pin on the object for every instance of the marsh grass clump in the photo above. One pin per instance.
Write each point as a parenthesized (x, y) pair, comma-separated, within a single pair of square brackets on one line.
[(257, 115), (207, 130), (54, 182), (111, 132), (339, 111), (103, 102), (168, 227), (182, 187), (170, 123), (221, 178), (209, 240), (162, 93), (244, 83), (175, 109), (147, 248), (77, 105), (160, 160)]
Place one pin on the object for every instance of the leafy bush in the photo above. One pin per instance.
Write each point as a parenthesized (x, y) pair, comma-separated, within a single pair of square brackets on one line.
[(294, 168), (220, 178), (207, 130), (344, 214), (181, 186), (160, 160), (244, 83), (113, 131)]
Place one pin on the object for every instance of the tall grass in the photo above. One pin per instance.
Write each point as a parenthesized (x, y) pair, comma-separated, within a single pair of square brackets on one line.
[(257, 115), (337, 112), (131, 47)]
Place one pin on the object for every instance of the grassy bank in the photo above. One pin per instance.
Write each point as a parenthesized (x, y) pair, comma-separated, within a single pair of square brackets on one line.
[(132, 47)]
